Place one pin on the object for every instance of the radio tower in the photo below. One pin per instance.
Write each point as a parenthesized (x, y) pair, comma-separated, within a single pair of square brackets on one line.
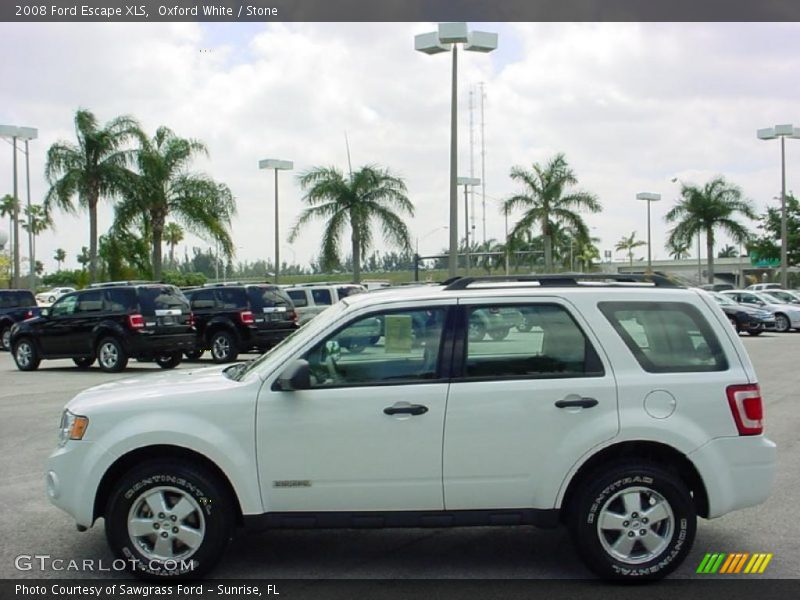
[(471, 233), (483, 166)]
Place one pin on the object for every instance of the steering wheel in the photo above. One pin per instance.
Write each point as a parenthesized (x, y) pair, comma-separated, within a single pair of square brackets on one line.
[(324, 366)]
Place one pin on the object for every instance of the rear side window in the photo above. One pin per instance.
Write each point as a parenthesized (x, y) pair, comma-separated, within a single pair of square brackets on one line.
[(321, 296), (298, 297), (666, 337), (162, 297), (90, 302), (267, 297)]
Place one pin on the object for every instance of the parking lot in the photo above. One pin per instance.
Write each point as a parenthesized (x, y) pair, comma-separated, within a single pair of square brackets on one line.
[(31, 405)]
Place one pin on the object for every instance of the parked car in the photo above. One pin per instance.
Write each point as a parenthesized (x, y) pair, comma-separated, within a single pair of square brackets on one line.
[(310, 299), (717, 287), (234, 318), (110, 325), (783, 296), (787, 316), (759, 287), (626, 412), (15, 306), (745, 318), (50, 296)]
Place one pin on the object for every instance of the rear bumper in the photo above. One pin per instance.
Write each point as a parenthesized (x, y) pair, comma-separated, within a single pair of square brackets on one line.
[(148, 345), (737, 472)]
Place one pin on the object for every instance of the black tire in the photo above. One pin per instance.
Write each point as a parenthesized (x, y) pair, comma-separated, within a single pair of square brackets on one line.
[(223, 347), (84, 363), (5, 338), (193, 354), (196, 539), (648, 485), (499, 333), (111, 356), (26, 355), (782, 323), (169, 361)]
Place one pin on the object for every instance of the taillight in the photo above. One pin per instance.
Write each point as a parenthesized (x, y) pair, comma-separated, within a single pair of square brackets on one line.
[(293, 316), (29, 314), (135, 321), (246, 317), (747, 408), (190, 320)]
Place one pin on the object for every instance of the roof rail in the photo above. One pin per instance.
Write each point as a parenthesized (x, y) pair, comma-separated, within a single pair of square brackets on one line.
[(105, 284), (565, 280)]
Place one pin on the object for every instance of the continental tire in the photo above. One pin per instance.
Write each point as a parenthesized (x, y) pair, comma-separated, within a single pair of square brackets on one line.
[(168, 519), (633, 521)]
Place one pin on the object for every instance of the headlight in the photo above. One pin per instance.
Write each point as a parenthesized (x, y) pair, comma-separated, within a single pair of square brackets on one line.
[(73, 427)]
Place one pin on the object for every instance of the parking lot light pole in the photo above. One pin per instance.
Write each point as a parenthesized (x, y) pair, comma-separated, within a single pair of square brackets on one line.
[(649, 197), (277, 165), (446, 39), (783, 132)]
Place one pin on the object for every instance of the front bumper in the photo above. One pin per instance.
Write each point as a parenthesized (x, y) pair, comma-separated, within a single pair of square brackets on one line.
[(737, 472), (72, 476)]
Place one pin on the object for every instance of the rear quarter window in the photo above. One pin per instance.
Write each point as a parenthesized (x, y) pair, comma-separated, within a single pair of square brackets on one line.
[(26, 299), (666, 337), (120, 299), (298, 297), (267, 297)]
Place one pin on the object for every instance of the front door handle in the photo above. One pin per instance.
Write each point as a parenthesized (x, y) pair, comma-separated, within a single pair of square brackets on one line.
[(404, 408), (576, 402)]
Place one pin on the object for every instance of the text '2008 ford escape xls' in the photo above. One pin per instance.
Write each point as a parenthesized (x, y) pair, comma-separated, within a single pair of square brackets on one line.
[(624, 409)]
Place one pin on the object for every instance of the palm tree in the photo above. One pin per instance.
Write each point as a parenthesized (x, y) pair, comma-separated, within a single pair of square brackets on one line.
[(84, 258), (173, 235), (164, 188), (706, 209), (587, 255), (36, 221), (628, 244), (60, 256), (547, 200), (9, 207), (728, 252), (679, 252), (96, 167), (370, 193)]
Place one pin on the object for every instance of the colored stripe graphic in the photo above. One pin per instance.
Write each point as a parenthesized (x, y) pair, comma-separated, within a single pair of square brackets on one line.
[(764, 564), (741, 562), (729, 564)]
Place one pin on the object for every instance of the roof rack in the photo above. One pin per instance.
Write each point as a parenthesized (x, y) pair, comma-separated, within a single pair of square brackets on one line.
[(105, 284), (565, 280)]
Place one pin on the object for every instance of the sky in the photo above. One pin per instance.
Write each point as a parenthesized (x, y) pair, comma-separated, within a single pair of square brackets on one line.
[(631, 105)]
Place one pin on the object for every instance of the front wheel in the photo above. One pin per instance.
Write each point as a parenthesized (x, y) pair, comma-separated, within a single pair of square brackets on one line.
[(26, 355), (169, 361), (634, 521), (169, 519)]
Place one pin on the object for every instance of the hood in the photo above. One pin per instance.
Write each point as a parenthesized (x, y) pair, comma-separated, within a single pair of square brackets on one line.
[(142, 390)]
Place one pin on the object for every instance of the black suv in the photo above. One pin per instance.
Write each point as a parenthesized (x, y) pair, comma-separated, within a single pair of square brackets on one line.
[(110, 324), (236, 318), (15, 305)]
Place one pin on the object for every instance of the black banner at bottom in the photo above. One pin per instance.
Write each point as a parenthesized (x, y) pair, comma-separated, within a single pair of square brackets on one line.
[(438, 589)]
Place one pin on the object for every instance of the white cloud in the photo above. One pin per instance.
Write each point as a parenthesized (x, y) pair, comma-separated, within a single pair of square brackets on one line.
[(631, 105)]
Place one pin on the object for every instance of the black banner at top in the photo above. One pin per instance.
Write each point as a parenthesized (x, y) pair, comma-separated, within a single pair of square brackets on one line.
[(397, 10)]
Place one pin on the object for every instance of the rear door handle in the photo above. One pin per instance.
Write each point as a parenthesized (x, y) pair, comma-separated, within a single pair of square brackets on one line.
[(576, 402), (404, 408)]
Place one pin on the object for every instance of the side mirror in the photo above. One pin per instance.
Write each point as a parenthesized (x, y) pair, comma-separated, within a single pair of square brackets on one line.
[(297, 376)]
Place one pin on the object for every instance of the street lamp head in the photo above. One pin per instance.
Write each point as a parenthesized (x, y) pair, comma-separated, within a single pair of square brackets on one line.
[(650, 197), (468, 181), (429, 43), (453, 33), (786, 130), (274, 163), (481, 41), (21, 133)]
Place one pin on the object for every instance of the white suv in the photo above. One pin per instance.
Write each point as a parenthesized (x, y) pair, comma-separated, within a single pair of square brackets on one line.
[(310, 299), (625, 410)]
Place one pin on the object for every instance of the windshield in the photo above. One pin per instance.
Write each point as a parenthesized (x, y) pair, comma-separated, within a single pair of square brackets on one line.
[(724, 300), (783, 297)]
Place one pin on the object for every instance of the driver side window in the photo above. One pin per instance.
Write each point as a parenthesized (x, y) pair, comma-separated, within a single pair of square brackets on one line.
[(386, 347), (64, 306)]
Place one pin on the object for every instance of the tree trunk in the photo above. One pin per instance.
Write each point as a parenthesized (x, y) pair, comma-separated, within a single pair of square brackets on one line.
[(356, 239), (548, 249), (92, 240), (158, 232), (710, 252)]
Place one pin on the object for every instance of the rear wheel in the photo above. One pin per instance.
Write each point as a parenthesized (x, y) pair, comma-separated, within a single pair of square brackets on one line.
[(111, 356), (223, 347), (26, 355), (169, 519), (169, 361), (84, 363), (782, 323), (5, 337), (633, 521)]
